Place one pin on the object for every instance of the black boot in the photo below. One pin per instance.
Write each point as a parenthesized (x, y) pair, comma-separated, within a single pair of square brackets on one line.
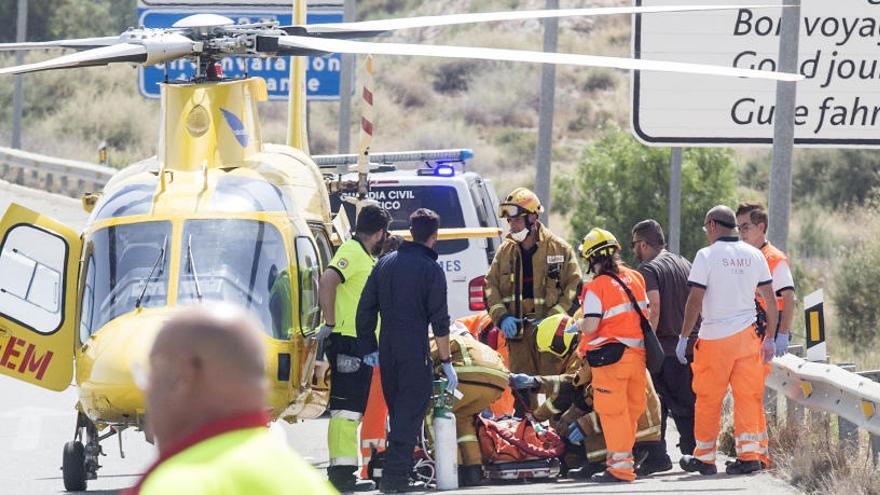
[(344, 480), (606, 477), (586, 471), (470, 475), (743, 467), (396, 485), (651, 457), (693, 465)]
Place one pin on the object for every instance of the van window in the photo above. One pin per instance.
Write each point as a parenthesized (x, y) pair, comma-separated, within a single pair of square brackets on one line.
[(401, 201)]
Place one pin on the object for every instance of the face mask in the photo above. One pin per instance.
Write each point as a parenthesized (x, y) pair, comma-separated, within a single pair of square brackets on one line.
[(520, 236)]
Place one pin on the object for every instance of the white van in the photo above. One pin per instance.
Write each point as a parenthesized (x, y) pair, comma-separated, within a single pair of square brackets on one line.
[(461, 198)]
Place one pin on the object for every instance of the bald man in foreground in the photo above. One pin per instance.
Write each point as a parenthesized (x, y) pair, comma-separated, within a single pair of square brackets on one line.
[(207, 408)]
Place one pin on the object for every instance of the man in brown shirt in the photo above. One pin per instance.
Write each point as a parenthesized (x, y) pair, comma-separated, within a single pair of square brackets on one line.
[(666, 276)]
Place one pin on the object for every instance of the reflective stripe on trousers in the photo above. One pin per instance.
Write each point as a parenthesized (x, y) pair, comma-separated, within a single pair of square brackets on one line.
[(620, 460), (705, 451)]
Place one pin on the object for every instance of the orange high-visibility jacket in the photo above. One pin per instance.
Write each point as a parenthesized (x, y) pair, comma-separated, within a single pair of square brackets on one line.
[(620, 321)]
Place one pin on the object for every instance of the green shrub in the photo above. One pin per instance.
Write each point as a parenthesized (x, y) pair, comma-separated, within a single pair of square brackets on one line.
[(620, 181), (856, 298)]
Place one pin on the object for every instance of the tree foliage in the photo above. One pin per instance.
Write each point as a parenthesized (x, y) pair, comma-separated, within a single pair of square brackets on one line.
[(856, 298), (620, 181), (56, 19)]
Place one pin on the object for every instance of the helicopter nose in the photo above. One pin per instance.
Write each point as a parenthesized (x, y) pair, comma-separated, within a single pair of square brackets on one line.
[(104, 368)]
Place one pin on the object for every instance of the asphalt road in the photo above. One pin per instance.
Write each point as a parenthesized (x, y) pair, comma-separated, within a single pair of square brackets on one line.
[(35, 424)]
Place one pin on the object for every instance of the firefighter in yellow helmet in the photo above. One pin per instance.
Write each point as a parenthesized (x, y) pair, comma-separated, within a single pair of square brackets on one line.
[(482, 378), (534, 275), (569, 406)]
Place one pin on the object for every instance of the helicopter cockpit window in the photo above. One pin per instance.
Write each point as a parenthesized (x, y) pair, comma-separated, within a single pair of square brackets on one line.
[(241, 194), (133, 199), (126, 268), (32, 277), (240, 261), (309, 268)]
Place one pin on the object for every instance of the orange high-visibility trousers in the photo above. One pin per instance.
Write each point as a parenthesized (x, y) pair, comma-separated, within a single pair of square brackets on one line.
[(763, 438), (734, 361), (619, 399), (373, 423)]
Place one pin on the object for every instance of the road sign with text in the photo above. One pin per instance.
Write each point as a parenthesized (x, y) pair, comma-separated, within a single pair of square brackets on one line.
[(837, 105), (322, 75)]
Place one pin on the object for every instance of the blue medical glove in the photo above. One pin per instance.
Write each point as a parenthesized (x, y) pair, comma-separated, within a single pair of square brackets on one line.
[(451, 377), (782, 343), (372, 359), (573, 328), (324, 331), (522, 380), (508, 326), (768, 349), (575, 435), (681, 350)]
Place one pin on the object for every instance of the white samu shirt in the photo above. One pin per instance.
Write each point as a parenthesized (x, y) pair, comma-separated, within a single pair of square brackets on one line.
[(730, 270)]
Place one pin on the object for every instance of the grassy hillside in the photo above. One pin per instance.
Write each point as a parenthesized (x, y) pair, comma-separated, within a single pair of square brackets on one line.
[(491, 107)]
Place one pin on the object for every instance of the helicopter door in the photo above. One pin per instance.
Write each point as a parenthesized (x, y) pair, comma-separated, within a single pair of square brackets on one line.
[(38, 276)]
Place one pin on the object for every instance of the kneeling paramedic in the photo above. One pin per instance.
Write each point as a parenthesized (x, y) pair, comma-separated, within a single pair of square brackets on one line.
[(569, 407), (728, 352), (339, 293), (534, 275), (482, 378), (614, 346), (408, 289)]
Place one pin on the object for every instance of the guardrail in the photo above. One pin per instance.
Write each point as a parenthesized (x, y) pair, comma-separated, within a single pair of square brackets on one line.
[(827, 388), (58, 175)]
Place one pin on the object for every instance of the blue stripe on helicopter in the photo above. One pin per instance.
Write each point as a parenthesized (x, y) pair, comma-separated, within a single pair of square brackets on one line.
[(237, 127)]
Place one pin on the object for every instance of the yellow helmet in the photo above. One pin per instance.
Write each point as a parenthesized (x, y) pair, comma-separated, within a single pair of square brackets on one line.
[(551, 336), (599, 242), (520, 202)]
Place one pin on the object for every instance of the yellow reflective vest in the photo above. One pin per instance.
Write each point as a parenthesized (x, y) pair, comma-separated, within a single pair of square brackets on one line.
[(248, 460)]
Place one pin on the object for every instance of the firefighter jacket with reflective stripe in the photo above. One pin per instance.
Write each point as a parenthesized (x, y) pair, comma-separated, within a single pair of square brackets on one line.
[(555, 275), (619, 320), (474, 362)]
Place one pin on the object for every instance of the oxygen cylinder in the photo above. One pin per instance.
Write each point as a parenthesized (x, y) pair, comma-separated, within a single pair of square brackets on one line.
[(445, 439)]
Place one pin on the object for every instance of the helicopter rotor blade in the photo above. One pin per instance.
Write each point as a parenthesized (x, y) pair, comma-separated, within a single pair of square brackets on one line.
[(123, 52), (77, 44), (311, 44), (372, 28), (151, 50)]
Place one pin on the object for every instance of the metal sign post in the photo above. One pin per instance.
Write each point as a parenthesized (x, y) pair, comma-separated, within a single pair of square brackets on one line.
[(545, 115), (20, 36), (345, 88), (674, 241), (779, 206)]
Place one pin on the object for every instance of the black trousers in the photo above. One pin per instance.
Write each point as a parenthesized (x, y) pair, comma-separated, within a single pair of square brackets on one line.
[(677, 399), (348, 391), (407, 384)]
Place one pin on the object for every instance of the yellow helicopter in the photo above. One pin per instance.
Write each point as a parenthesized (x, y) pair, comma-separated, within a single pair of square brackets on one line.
[(217, 215)]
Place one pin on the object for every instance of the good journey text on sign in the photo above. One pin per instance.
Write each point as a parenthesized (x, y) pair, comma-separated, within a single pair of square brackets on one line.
[(839, 54)]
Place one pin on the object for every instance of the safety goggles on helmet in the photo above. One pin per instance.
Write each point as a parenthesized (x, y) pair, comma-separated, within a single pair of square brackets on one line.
[(510, 210)]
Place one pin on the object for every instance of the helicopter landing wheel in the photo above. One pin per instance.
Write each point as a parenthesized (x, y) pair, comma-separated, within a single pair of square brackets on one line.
[(73, 466)]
